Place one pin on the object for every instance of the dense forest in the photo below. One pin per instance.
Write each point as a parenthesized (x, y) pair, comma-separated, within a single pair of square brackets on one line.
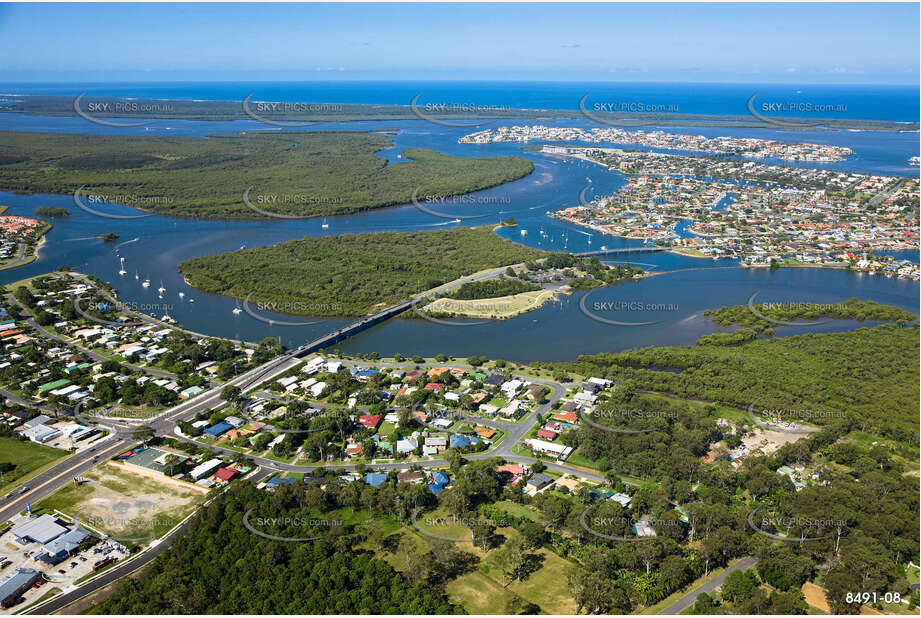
[(491, 288), (351, 274), (869, 373), (222, 568), (300, 174)]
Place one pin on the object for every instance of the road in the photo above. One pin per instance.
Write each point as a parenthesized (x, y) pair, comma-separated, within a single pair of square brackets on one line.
[(688, 600), (60, 474)]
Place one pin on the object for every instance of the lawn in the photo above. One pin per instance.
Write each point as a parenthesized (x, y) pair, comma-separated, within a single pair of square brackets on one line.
[(29, 459)]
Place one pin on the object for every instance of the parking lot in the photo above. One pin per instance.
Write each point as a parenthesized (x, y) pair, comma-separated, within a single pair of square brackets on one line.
[(15, 554)]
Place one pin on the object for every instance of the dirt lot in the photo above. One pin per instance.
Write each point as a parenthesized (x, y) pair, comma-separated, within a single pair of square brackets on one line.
[(769, 441), (127, 506)]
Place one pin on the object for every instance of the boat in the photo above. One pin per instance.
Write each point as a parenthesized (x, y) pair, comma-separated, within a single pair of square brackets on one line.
[(325, 224), (524, 232), (191, 300), (181, 295), (237, 311), (146, 283), (136, 275), (161, 289), (122, 271)]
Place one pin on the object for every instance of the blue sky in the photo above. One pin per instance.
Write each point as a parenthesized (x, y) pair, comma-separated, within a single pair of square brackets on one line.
[(789, 43)]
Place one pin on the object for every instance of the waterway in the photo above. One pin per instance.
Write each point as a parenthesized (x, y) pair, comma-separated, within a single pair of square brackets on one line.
[(674, 303)]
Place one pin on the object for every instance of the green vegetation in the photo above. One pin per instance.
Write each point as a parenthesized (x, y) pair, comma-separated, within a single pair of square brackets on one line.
[(596, 273), (491, 288), (21, 459), (222, 568), (352, 274), (300, 174), (52, 211), (869, 374), (851, 309)]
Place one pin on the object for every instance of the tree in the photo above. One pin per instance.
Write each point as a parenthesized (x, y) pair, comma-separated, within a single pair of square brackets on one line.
[(142, 433), (739, 585), (231, 393)]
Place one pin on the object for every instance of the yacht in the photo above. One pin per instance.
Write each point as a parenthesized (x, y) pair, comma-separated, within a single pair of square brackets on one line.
[(145, 283), (161, 289), (325, 224), (122, 271), (181, 295)]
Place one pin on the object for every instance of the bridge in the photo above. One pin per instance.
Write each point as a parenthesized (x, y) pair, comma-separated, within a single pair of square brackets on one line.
[(622, 251), (352, 329)]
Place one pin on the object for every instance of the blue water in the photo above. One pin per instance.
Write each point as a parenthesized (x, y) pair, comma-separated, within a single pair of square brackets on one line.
[(555, 332), (896, 103)]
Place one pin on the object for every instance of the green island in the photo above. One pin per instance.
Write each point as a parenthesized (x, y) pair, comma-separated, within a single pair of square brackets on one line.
[(53, 212), (351, 274), (293, 174), (851, 309)]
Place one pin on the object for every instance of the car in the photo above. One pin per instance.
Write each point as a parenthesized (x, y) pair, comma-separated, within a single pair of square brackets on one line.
[(24, 490), (82, 559), (62, 572), (73, 564)]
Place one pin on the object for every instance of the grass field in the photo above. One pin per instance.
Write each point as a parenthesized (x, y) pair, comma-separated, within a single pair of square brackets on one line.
[(29, 458), (124, 504)]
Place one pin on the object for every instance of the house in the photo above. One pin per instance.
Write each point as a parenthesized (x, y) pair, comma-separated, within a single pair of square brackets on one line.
[(459, 441), (485, 432), (411, 476), (546, 434), (622, 499), (406, 446), (202, 470), (443, 423), (375, 479), (439, 441), (494, 380), (218, 429), (549, 448), (539, 481), (370, 420), (566, 417), (440, 478), (41, 433), (226, 474), (353, 449)]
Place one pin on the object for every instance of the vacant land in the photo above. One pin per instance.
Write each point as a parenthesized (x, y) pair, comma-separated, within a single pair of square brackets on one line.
[(291, 173), (28, 459), (352, 274), (123, 504), (494, 308)]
